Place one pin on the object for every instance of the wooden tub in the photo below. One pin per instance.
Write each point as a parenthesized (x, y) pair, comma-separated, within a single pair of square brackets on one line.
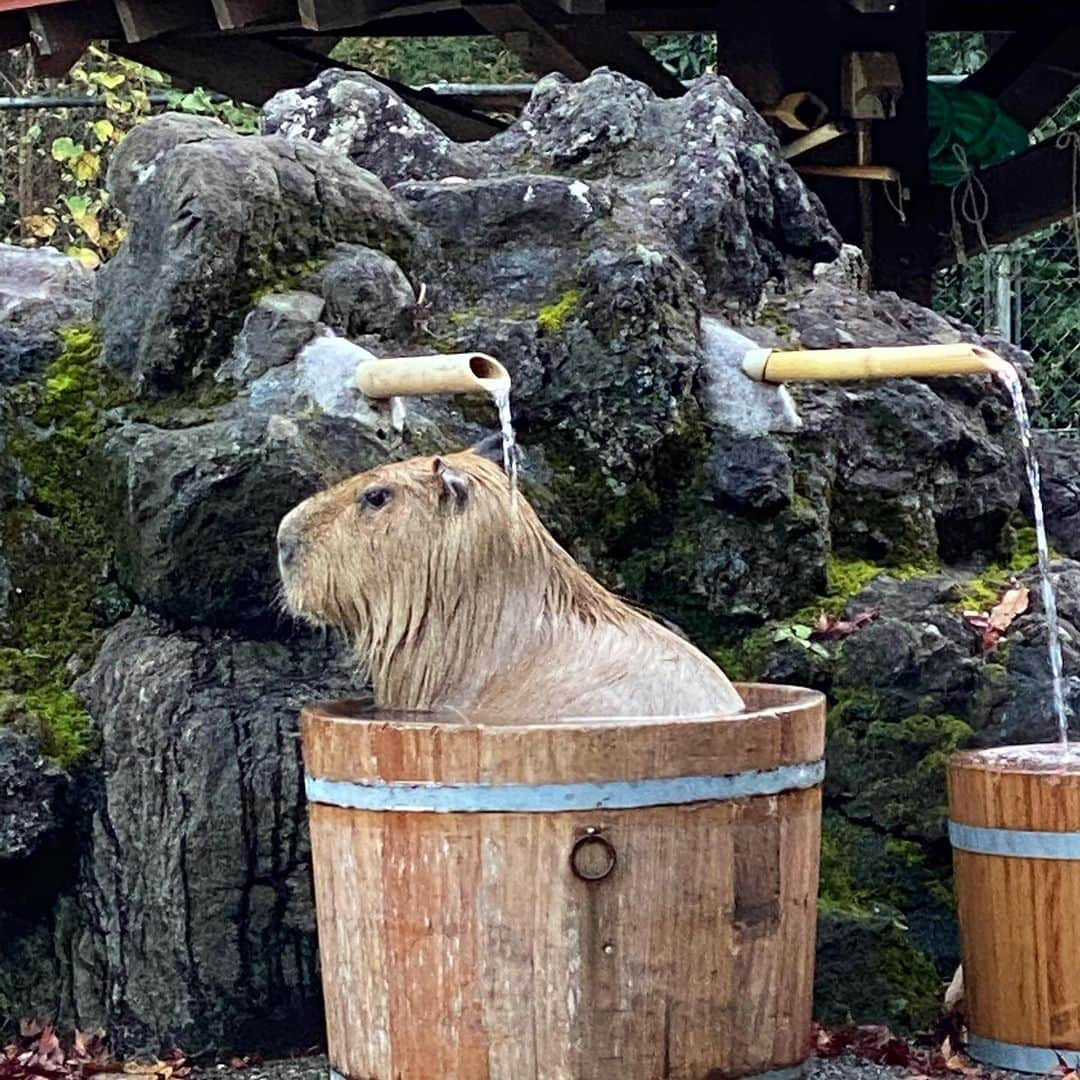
[(1015, 829), (572, 900)]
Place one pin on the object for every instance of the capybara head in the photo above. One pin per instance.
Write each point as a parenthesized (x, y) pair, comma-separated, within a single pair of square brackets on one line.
[(380, 547)]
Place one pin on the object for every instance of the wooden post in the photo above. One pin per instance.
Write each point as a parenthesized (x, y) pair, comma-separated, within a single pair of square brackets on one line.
[(1015, 830), (596, 899)]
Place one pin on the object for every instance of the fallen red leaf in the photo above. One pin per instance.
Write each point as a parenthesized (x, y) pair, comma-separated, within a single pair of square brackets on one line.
[(832, 628), (993, 624), (39, 1053)]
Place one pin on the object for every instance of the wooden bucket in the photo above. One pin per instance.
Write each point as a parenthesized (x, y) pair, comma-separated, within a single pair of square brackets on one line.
[(580, 900), (1015, 831)]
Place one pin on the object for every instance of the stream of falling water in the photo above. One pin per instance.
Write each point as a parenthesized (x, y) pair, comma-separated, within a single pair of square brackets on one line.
[(501, 397), (1008, 375)]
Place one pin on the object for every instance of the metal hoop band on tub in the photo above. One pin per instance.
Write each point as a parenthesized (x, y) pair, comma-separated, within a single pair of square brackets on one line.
[(1016, 843), (437, 798), (1019, 1058)]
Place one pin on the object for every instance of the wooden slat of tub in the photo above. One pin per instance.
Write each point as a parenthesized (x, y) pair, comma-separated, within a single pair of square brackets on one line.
[(341, 743), (1008, 793), (494, 970)]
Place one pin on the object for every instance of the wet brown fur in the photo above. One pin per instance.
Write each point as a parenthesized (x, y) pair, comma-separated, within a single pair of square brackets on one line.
[(455, 598)]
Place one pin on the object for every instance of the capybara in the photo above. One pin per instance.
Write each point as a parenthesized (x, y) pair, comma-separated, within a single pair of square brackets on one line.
[(457, 597)]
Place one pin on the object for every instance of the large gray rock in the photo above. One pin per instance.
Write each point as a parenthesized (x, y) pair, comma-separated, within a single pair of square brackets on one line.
[(199, 928), (366, 293), (215, 219), (356, 117), (1059, 464), (275, 330), (41, 292), (33, 797)]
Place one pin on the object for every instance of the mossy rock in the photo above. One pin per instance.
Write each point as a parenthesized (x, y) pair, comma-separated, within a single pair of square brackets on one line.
[(869, 971), (57, 550), (891, 770)]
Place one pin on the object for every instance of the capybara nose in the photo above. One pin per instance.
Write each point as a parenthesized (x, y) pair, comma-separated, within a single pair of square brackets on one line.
[(288, 548), (288, 540)]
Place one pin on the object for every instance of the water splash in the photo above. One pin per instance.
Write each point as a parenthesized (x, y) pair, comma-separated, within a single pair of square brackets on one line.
[(1009, 376), (501, 397)]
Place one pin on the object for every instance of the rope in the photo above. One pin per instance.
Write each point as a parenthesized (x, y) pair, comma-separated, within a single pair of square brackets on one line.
[(896, 201), (1064, 141), (974, 207)]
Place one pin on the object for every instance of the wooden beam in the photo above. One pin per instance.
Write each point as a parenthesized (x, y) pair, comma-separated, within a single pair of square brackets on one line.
[(1032, 72), (1026, 193), (333, 14), (997, 14), (903, 254), (235, 14), (14, 29), (253, 70), (452, 115), (244, 68), (145, 19), (547, 39), (61, 33)]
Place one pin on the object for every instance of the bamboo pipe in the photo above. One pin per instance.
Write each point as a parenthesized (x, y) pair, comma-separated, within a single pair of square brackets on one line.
[(888, 362), (452, 373)]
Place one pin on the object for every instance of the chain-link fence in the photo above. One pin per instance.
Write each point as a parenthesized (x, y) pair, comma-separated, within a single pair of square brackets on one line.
[(1028, 292)]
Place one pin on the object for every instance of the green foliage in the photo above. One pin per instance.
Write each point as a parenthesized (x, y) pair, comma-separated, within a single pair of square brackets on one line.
[(800, 634), (956, 52), (53, 429), (240, 117), (685, 55), (56, 195), (418, 61)]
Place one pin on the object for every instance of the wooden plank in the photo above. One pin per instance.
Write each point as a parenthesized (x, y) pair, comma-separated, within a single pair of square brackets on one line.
[(235, 14), (1024, 194), (1011, 60), (813, 139), (997, 14), (14, 29), (22, 5), (548, 40), (885, 173), (251, 69), (61, 33), (145, 19), (333, 14), (1032, 71)]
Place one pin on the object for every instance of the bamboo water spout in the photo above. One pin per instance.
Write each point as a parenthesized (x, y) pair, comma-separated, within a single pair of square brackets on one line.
[(452, 373), (891, 362)]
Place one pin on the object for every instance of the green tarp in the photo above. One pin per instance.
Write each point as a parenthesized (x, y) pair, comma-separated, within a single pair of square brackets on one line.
[(975, 123)]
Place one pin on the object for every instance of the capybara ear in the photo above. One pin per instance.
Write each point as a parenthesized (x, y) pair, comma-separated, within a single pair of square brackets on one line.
[(455, 485)]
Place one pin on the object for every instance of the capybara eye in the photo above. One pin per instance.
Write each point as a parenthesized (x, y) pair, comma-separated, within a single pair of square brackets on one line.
[(375, 498)]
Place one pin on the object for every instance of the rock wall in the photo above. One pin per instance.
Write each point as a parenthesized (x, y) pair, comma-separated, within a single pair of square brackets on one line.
[(160, 417)]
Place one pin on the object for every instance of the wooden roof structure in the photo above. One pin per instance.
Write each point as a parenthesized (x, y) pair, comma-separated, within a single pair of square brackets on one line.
[(249, 49)]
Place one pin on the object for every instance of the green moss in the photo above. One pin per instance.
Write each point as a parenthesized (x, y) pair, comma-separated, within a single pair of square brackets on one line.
[(868, 970), (57, 546), (271, 278), (873, 965), (552, 318), (983, 591), (891, 770), (68, 732)]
